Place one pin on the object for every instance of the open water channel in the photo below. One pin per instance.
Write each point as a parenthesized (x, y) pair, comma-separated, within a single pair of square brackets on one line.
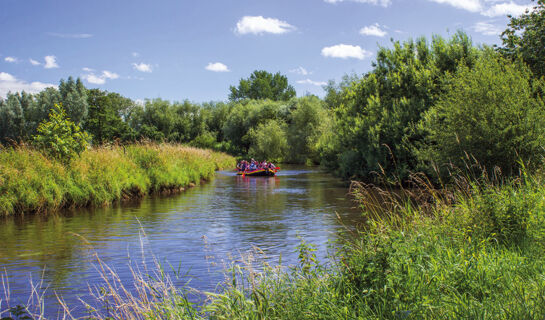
[(197, 233)]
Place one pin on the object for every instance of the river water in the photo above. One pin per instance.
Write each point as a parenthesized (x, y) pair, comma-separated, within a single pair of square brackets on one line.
[(195, 233)]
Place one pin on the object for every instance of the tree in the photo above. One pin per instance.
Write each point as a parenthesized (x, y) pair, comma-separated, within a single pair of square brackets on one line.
[(304, 129), (263, 85), (104, 120), (376, 117), (268, 141), (492, 113), (12, 120), (60, 137), (74, 99), (525, 38)]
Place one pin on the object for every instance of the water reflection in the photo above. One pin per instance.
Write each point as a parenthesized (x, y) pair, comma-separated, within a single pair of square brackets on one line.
[(198, 229)]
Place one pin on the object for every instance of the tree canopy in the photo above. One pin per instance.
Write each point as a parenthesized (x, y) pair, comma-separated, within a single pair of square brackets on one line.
[(525, 38), (263, 85)]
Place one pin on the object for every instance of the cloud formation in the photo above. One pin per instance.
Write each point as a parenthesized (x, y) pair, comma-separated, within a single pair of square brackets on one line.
[(34, 62), (260, 25), (300, 70), (384, 3), (311, 82), (50, 62), (70, 35), (10, 83), (486, 28), (503, 9), (217, 67), (373, 30), (99, 79), (10, 59), (489, 8), (346, 51), (142, 67)]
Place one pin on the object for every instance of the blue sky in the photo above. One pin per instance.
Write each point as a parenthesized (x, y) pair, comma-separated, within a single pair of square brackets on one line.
[(195, 50)]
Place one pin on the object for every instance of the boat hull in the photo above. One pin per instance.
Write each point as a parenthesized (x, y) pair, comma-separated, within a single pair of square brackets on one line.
[(258, 173)]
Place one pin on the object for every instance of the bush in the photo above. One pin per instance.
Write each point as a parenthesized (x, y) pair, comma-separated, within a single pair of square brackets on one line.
[(491, 113), (60, 137), (269, 141)]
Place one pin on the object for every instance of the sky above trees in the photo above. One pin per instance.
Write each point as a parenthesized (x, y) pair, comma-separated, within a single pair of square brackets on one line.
[(195, 50)]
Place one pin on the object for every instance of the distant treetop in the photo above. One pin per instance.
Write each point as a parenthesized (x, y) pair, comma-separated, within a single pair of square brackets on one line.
[(263, 85)]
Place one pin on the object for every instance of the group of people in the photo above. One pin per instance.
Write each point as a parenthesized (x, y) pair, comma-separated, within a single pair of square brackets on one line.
[(244, 165)]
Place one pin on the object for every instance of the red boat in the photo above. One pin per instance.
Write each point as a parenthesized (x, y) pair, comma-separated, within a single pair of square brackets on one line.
[(258, 173)]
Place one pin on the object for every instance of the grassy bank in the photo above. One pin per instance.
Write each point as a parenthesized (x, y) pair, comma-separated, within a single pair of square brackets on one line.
[(32, 182), (476, 252)]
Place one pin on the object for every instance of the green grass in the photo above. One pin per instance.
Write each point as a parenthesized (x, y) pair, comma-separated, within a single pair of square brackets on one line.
[(32, 182), (476, 252)]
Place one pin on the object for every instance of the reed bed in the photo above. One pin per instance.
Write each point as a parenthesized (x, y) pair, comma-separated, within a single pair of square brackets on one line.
[(30, 182)]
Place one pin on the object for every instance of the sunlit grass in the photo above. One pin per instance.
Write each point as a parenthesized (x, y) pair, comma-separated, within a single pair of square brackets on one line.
[(32, 182)]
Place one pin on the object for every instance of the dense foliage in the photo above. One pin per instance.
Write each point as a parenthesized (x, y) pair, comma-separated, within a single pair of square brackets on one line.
[(376, 119), (493, 112), (60, 137), (263, 85), (525, 38)]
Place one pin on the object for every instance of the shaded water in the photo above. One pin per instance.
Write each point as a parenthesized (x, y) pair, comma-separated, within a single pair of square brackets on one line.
[(196, 231)]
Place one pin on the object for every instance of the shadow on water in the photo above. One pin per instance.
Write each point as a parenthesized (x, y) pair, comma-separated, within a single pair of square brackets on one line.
[(198, 230)]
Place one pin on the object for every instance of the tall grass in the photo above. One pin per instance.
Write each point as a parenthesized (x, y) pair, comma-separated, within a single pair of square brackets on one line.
[(32, 182), (472, 250)]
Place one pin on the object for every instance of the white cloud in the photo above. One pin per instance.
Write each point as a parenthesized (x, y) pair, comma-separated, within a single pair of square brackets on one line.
[(10, 83), (34, 62), (136, 54), (260, 25), (345, 51), (50, 62), (489, 8), (142, 67), (487, 29), (10, 59), (300, 70), (217, 67), (87, 69), (383, 3), (373, 30), (99, 79), (506, 8), (469, 5), (70, 35), (311, 82)]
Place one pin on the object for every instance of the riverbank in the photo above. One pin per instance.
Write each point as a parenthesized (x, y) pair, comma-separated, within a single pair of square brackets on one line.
[(31, 182), (476, 252)]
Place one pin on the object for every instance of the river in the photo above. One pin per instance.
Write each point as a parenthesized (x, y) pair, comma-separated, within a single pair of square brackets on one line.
[(195, 233)]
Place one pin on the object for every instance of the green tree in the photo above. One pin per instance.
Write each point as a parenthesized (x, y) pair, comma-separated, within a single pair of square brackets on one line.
[(263, 85), (104, 121), (376, 118), (74, 99), (492, 112), (60, 137), (269, 141), (305, 128), (525, 38), (12, 120)]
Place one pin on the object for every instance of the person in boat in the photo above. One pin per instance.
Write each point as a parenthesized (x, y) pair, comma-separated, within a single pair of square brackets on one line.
[(253, 165)]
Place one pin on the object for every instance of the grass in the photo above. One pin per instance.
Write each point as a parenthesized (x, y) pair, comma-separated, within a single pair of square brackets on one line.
[(474, 250), (32, 182)]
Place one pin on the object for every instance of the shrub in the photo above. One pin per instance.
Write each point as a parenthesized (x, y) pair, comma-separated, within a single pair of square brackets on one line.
[(491, 113), (60, 137)]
